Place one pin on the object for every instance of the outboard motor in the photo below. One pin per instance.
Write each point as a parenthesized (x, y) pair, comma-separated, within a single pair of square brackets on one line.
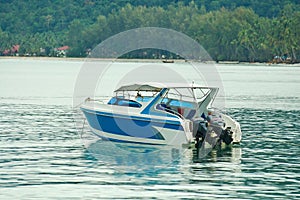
[(200, 129), (226, 136), (212, 130)]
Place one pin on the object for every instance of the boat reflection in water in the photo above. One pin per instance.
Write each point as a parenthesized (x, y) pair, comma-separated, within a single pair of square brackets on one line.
[(130, 154), (228, 153), (142, 157)]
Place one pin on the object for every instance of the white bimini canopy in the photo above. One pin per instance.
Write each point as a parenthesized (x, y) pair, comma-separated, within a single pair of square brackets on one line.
[(156, 87)]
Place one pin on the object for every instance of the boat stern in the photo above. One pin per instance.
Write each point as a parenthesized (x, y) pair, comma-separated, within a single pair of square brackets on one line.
[(234, 127)]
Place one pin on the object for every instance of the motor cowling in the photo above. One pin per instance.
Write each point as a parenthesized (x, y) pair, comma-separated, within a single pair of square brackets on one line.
[(199, 129), (226, 136), (212, 130)]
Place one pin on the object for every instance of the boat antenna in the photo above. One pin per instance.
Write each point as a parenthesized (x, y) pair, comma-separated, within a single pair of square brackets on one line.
[(193, 82)]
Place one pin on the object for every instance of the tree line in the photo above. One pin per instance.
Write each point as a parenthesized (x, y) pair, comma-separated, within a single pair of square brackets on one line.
[(226, 33)]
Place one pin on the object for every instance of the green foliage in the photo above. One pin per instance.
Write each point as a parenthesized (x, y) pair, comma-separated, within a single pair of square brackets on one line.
[(242, 30)]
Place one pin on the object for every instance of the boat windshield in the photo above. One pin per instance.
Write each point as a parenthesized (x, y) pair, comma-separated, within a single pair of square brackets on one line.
[(184, 101), (140, 96), (180, 97), (132, 98)]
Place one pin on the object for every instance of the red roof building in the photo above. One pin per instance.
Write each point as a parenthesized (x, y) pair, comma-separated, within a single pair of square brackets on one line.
[(15, 48), (63, 48)]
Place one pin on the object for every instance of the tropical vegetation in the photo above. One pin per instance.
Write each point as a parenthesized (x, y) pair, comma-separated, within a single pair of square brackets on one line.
[(241, 30)]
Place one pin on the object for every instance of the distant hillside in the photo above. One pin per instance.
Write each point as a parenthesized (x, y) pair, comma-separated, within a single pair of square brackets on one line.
[(255, 29), (31, 16)]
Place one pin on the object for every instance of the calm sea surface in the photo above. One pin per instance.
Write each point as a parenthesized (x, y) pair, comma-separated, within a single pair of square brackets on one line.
[(42, 155)]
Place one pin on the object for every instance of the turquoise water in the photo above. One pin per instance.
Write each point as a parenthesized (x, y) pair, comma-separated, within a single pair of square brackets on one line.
[(43, 157)]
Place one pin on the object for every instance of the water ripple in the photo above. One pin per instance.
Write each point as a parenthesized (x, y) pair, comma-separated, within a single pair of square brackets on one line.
[(42, 156)]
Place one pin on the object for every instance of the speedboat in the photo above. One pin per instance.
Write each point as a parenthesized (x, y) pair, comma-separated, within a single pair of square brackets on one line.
[(160, 114)]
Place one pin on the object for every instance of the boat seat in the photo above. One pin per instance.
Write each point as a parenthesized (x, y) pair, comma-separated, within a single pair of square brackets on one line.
[(144, 99), (124, 102), (113, 101), (191, 114), (129, 103), (162, 106), (180, 110)]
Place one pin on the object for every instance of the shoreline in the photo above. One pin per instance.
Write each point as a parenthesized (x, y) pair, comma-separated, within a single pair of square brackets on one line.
[(222, 63)]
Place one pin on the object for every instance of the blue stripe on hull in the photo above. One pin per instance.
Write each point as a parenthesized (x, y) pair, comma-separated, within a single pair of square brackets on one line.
[(138, 118), (132, 126), (123, 141)]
